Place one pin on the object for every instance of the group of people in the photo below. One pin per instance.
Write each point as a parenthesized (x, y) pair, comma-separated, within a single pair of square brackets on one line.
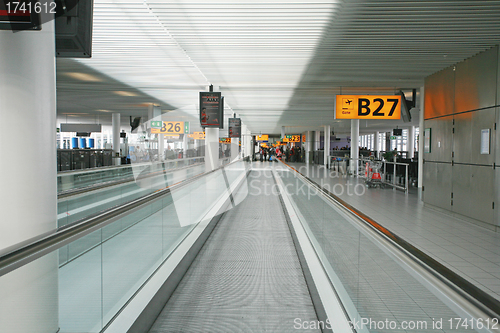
[(288, 154), (348, 148)]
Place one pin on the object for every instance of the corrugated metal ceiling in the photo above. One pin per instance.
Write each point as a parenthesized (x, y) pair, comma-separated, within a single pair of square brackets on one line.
[(281, 62)]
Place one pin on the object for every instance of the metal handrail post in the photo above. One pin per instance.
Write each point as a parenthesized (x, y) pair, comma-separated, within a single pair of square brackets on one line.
[(394, 176), (406, 179), (385, 171)]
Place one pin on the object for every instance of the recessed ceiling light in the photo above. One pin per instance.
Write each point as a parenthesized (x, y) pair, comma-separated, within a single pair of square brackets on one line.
[(83, 77), (125, 93), (104, 111)]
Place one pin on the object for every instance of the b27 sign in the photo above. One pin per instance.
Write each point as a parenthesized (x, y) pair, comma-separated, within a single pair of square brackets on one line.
[(368, 107)]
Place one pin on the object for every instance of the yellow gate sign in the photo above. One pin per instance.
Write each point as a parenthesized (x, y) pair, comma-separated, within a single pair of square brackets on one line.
[(368, 107), (263, 137), (199, 135), (291, 138), (169, 128)]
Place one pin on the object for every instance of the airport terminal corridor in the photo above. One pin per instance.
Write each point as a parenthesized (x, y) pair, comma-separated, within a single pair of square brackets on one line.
[(220, 166)]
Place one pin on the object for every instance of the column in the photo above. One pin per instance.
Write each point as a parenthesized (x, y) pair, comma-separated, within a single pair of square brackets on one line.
[(28, 200), (243, 140), (249, 148), (154, 113), (309, 146), (354, 146), (185, 145), (421, 142), (317, 139), (327, 145), (410, 145), (235, 147), (211, 149), (115, 120), (161, 147)]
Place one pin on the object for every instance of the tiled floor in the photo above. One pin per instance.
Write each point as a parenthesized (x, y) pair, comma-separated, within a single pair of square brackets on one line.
[(466, 248)]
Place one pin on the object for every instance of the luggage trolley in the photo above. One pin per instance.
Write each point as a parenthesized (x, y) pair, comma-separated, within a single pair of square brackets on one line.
[(372, 174)]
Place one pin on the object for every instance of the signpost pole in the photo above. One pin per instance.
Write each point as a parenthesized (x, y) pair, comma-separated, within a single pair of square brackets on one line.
[(354, 146), (234, 148), (115, 121), (211, 148)]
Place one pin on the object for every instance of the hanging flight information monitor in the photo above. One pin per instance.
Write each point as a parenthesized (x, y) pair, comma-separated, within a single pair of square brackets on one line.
[(211, 111), (368, 107), (23, 15), (234, 127)]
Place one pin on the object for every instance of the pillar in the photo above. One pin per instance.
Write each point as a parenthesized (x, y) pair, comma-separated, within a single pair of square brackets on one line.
[(243, 140), (249, 143), (317, 137), (235, 147), (154, 113), (327, 145), (161, 147), (115, 120), (354, 146), (410, 145), (309, 146), (211, 148), (185, 145), (421, 142), (28, 200), (377, 144)]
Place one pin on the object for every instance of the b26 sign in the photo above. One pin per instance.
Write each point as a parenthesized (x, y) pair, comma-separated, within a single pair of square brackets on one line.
[(368, 107)]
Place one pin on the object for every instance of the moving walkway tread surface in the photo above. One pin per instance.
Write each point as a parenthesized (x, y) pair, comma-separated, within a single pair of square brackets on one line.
[(247, 277)]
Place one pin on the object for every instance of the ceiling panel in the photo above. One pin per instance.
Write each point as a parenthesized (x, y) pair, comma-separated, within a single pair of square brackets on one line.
[(281, 62)]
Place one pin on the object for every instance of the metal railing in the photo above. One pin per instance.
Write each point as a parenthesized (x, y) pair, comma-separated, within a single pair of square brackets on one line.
[(21, 254), (124, 178), (69, 180), (344, 166), (394, 176)]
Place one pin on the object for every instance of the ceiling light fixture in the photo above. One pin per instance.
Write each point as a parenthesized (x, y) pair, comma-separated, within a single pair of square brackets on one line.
[(83, 77), (125, 93)]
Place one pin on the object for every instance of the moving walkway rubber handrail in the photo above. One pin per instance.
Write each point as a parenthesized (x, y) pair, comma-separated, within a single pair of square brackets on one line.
[(21, 254), (98, 186), (480, 298)]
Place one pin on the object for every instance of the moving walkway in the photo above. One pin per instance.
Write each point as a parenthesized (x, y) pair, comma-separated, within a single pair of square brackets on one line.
[(248, 248)]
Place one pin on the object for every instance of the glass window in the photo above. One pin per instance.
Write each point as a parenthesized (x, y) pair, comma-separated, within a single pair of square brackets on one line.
[(415, 138), (381, 141), (404, 140)]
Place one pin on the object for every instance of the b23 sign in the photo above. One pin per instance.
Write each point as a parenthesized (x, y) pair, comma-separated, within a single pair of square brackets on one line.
[(368, 107)]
